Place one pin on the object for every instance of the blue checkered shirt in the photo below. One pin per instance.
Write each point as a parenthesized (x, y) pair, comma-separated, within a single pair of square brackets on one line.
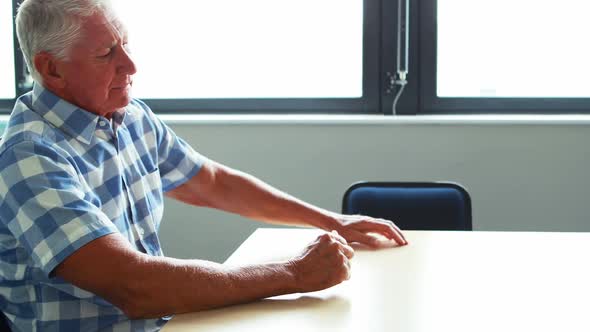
[(67, 177)]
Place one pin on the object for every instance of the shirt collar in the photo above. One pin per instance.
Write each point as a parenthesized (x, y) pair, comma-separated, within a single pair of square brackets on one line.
[(118, 117), (71, 119)]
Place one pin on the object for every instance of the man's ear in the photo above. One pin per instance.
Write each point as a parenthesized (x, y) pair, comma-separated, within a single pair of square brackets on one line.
[(47, 66)]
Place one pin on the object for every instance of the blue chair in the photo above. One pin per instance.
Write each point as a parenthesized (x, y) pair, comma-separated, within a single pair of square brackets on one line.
[(412, 205)]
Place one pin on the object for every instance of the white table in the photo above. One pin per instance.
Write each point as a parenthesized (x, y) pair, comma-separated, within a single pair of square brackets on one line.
[(442, 281)]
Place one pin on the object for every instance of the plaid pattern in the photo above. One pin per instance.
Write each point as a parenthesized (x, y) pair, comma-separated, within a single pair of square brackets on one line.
[(68, 177)]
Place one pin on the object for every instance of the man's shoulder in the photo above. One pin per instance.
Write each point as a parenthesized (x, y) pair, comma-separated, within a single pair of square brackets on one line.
[(33, 137), (25, 125)]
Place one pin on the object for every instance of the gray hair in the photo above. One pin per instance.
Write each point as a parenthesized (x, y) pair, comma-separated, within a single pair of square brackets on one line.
[(53, 26)]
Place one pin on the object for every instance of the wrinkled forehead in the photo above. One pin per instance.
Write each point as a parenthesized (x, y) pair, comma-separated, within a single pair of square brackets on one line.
[(102, 28)]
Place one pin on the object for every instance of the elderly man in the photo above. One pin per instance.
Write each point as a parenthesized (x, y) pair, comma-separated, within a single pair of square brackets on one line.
[(83, 170)]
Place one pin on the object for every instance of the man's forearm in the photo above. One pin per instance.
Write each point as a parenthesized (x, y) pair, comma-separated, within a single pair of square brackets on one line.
[(255, 199), (220, 187), (144, 286), (170, 286)]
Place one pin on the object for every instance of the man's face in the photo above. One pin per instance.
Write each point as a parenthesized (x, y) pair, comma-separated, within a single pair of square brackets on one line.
[(97, 76)]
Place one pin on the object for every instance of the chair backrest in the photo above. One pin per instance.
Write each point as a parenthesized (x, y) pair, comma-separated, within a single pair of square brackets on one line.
[(412, 205)]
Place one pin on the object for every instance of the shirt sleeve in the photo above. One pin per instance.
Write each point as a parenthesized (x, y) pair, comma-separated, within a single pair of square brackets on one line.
[(177, 160), (43, 205)]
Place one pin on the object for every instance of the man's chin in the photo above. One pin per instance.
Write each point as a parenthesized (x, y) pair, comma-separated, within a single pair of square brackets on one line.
[(122, 101), (115, 105)]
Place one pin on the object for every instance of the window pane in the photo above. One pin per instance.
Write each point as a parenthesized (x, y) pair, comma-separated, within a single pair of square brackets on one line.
[(513, 48), (246, 49), (7, 88)]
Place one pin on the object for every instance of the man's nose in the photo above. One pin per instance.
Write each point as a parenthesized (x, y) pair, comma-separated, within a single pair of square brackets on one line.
[(126, 64)]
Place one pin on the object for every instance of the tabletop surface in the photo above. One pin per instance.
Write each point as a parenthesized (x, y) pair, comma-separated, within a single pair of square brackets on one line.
[(441, 281)]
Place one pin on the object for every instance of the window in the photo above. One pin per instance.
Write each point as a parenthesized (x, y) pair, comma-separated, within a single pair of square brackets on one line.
[(261, 50), (487, 49), (506, 56), (247, 49), (340, 56), (7, 81)]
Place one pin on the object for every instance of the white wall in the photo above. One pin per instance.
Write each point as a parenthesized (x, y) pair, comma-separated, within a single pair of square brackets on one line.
[(522, 175)]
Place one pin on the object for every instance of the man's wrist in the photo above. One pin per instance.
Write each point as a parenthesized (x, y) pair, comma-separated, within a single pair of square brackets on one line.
[(329, 221), (291, 271)]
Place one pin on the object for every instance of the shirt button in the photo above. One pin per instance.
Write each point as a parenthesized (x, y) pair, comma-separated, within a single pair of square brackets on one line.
[(141, 231), (102, 123)]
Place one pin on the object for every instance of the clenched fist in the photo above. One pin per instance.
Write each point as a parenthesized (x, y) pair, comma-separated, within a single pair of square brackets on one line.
[(324, 263)]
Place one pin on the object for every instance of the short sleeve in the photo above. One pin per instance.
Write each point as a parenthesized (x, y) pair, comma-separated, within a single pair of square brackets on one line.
[(177, 160), (43, 205)]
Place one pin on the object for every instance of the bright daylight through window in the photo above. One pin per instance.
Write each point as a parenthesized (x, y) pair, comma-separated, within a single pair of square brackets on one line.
[(7, 88), (513, 48), (246, 49)]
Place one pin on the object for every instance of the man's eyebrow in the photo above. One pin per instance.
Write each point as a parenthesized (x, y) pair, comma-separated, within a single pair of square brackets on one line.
[(105, 46), (122, 35)]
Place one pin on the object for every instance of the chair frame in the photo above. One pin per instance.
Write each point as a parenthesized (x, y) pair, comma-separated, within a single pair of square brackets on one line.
[(409, 184)]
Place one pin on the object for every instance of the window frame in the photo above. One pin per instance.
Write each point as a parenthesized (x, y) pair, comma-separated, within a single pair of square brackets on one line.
[(432, 104), (367, 104), (379, 59)]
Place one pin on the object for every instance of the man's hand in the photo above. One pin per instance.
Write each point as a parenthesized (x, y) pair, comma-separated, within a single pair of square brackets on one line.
[(369, 231), (324, 263)]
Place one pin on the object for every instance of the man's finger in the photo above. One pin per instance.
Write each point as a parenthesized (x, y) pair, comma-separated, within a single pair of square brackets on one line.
[(383, 227), (367, 240), (347, 251), (393, 229), (348, 268), (338, 237)]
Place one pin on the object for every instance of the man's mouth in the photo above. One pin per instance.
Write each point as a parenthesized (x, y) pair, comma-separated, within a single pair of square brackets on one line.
[(123, 86)]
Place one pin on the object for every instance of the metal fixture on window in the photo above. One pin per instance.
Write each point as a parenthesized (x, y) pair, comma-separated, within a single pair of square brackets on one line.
[(403, 46)]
